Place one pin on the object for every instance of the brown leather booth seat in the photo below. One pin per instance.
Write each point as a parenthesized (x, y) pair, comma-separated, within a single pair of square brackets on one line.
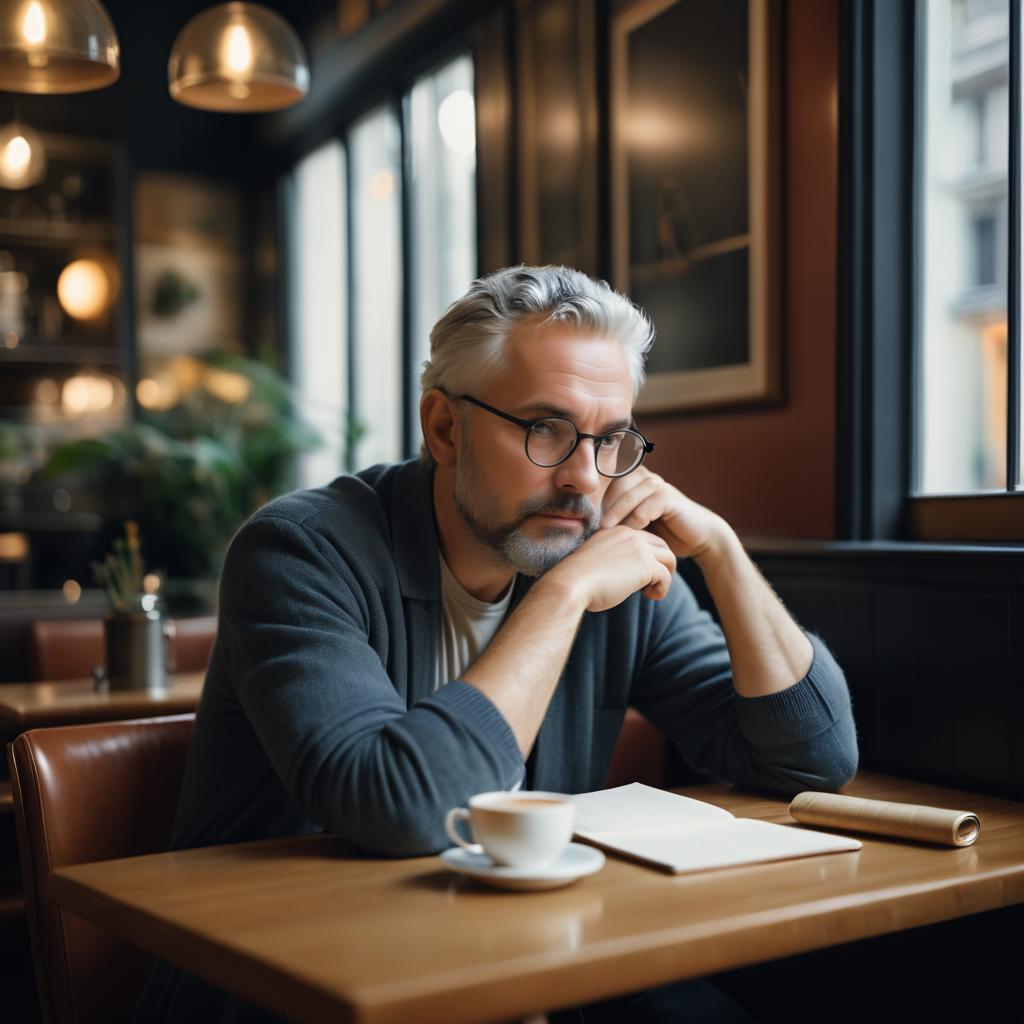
[(86, 793), (69, 648)]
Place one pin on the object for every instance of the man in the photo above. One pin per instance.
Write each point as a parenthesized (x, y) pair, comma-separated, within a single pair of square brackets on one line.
[(480, 618)]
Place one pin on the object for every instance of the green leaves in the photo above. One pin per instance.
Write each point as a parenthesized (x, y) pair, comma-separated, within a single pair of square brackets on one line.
[(196, 471)]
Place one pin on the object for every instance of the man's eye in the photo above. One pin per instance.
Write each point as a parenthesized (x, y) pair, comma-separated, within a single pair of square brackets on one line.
[(611, 441), (544, 429)]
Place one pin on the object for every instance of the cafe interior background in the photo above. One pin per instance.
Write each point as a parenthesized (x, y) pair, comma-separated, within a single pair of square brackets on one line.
[(818, 200)]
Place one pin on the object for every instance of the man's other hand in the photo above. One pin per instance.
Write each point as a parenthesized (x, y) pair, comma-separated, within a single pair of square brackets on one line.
[(645, 501), (612, 564)]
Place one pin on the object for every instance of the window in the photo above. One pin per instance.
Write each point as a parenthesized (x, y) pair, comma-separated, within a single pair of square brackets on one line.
[(375, 147), (319, 314), (929, 288), (380, 248), (443, 200), (964, 177)]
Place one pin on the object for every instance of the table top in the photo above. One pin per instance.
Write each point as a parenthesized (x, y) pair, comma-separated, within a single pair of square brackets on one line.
[(285, 924), (70, 702)]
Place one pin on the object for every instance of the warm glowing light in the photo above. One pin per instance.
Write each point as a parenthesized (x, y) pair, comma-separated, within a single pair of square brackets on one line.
[(188, 373), (229, 387), (22, 156), (238, 56), (456, 119), (13, 547), (47, 392), (382, 184), (83, 289), (33, 28), (84, 394), (72, 591), (238, 49), (17, 155), (150, 583), (154, 394)]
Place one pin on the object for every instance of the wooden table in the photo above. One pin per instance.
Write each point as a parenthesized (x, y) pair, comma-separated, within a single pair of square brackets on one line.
[(30, 705), (321, 938)]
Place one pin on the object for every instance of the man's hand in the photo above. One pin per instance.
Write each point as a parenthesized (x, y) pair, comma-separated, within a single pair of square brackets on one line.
[(645, 501), (612, 564)]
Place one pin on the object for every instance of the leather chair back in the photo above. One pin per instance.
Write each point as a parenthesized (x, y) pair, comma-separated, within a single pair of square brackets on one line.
[(69, 648), (65, 649), (86, 793), (640, 754)]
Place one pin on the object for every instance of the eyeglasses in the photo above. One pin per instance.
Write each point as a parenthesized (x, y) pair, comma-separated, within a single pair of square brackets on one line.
[(551, 440)]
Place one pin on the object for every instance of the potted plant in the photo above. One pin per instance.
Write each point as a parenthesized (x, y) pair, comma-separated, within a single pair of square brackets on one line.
[(195, 468)]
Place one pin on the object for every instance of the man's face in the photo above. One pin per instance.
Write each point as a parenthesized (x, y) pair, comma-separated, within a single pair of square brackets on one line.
[(530, 517)]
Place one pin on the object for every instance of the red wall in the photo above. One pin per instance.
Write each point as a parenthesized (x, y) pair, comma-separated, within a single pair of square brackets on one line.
[(771, 471)]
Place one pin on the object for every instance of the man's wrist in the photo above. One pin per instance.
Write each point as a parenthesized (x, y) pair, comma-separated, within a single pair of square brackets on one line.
[(722, 547), (560, 587)]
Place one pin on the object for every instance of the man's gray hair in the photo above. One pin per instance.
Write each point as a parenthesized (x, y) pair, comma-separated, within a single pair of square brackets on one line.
[(467, 343)]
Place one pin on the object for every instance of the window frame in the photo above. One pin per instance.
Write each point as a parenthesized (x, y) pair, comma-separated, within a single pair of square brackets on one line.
[(879, 290), (391, 94)]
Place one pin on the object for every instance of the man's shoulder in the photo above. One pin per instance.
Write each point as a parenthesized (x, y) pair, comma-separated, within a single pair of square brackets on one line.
[(346, 502), (353, 515)]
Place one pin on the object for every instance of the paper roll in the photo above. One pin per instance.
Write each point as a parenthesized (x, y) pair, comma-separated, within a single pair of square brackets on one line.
[(907, 821)]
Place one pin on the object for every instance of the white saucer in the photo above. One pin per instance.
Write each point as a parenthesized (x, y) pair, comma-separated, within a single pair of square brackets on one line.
[(575, 861)]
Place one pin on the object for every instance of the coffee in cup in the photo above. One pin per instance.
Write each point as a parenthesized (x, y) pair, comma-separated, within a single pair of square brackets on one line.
[(523, 829)]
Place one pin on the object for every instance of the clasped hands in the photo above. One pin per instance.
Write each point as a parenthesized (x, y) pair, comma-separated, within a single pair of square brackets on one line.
[(646, 524)]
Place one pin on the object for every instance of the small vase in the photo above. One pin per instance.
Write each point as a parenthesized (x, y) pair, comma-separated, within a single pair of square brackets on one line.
[(138, 653)]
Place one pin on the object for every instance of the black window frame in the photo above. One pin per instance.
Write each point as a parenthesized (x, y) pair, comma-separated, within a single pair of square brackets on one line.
[(392, 92), (879, 265)]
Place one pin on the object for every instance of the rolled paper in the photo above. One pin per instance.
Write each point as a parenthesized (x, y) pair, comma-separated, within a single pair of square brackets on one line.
[(906, 821)]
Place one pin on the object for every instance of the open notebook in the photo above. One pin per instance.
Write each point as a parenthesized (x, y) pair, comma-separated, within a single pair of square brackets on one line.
[(681, 834)]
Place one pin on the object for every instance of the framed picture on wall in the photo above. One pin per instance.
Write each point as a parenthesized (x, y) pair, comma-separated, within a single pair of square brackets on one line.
[(696, 194)]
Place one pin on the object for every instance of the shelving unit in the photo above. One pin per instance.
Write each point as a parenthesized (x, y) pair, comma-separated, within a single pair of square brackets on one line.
[(76, 212)]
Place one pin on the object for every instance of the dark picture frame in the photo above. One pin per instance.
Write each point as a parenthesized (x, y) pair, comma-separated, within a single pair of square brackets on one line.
[(695, 192)]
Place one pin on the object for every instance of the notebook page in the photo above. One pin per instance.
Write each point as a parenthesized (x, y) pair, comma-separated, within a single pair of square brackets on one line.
[(639, 808), (720, 844)]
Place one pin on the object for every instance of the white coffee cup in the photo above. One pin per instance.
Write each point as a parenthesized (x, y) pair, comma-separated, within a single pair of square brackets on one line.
[(521, 829)]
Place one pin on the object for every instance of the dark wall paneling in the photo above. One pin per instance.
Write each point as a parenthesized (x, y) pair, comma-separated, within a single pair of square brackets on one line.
[(980, 667), (496, 206), (557, 122), (850, 641), (933, 651), (1017, 686), (892, 662), (925, 713)]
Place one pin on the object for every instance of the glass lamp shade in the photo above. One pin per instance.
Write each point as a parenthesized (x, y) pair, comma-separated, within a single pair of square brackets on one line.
[(238, 57), (22, 156), (57, 46)]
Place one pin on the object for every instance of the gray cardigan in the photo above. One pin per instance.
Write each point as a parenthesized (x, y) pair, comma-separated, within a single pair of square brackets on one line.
[(319, 711)]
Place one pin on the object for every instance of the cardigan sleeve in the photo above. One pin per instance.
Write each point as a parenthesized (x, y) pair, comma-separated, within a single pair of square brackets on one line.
[(304, 637), (799, 738)]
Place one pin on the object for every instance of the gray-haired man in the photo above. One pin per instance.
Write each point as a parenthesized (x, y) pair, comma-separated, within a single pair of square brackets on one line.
[(480, 618)]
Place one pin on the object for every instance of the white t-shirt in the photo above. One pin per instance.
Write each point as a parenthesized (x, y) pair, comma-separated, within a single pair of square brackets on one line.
[(467, 626)]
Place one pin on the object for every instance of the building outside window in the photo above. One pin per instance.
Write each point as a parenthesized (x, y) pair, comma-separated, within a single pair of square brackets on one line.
[(962, 423)]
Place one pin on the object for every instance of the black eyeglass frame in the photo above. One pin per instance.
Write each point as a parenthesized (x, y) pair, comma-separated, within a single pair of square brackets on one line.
[(528, 425)]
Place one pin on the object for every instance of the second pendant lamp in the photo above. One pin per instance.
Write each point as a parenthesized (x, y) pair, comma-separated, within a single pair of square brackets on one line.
[(238, 57)]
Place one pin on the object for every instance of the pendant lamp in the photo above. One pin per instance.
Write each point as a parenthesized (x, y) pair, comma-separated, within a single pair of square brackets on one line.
[(238, 57), (22, 156), (57, 46)]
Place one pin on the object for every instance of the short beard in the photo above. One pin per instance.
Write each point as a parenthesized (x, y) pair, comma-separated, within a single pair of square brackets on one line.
[(507, 541)]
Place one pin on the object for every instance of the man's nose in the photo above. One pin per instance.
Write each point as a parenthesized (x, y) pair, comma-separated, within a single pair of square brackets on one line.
[(579, 471)]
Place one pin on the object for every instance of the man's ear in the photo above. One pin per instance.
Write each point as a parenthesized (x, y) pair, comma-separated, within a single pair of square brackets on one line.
[(438, 422)]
